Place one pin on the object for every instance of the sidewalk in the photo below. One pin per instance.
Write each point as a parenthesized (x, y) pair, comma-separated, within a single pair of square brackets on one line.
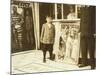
[(31, 62)]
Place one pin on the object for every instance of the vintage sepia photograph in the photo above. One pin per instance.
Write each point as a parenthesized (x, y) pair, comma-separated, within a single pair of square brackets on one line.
[(52, 37)]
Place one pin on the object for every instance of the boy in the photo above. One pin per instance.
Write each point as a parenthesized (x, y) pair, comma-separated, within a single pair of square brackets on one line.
[(47, 38)]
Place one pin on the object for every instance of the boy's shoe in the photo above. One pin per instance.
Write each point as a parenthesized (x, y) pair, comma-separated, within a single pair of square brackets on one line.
[(44, 60)]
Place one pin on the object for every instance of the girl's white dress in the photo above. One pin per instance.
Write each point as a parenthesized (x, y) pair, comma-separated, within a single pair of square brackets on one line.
[(72, 50)]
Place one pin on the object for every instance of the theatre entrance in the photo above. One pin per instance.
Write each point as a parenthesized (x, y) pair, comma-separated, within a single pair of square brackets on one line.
[(45, 9)]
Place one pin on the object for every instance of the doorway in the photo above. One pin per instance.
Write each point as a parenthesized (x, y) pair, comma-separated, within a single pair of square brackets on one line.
[(45, 9)]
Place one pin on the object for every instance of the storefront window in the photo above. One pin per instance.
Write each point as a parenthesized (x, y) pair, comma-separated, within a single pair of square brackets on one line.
[(66, 11), (69, 11), (52, 11), (78, 10), (59, 16)]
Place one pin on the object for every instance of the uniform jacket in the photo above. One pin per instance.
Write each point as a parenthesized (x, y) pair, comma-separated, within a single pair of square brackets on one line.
[(47, 34)]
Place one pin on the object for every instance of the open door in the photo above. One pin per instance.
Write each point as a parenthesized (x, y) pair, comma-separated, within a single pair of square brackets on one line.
[(45, 9)]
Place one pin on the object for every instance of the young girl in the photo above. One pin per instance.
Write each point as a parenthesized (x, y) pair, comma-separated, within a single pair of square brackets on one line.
[(72, 47)]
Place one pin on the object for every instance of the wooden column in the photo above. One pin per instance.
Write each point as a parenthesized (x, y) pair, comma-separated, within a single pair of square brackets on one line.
[(37, 24), (55, 11), (35, 12), (62, 11), (76, 13)]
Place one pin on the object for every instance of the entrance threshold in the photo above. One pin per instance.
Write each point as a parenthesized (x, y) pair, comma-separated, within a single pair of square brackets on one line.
[(23, 52)]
